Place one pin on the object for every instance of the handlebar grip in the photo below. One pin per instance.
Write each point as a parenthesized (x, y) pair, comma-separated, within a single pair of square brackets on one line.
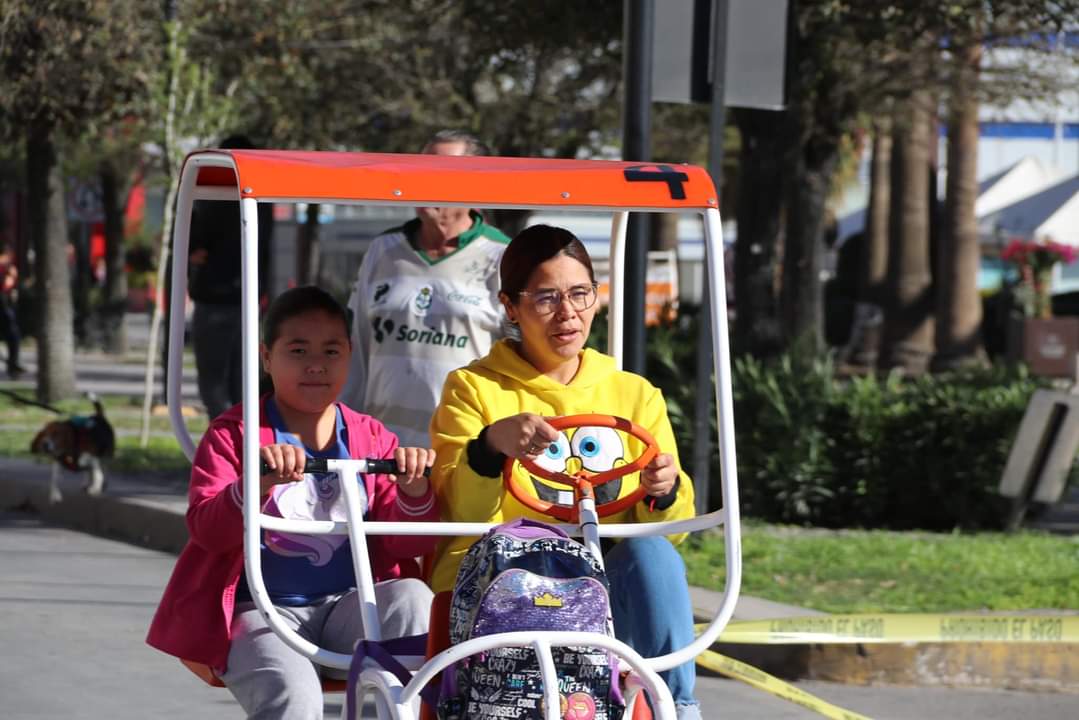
[(374, 465), (388, 467)]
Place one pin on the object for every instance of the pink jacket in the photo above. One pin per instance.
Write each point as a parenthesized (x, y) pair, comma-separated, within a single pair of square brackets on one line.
[(194, 617)]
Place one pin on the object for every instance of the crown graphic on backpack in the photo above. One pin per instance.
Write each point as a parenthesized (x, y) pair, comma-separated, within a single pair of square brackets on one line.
[(526, 575)]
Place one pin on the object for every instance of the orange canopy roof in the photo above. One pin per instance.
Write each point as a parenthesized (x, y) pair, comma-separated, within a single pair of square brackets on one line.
[(477, 181)]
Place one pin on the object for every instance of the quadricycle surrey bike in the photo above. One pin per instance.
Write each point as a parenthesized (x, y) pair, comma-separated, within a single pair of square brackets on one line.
[(607, 188)]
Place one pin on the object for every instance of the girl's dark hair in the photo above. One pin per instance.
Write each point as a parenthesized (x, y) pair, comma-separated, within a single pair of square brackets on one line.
[(298, 301), (532, 246)]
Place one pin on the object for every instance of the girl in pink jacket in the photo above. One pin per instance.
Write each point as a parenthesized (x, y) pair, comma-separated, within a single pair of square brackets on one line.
[(207, 616)]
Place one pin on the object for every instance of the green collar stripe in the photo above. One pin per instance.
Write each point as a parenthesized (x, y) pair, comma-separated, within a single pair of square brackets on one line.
[(479, 229)]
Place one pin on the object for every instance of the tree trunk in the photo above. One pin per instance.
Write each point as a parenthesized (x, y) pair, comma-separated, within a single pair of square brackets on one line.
[(959, 306), (760, 212), (908, 327), (876, 226), (115, 300), (801, 296), (52, 283), (863, 349), (162, 300)]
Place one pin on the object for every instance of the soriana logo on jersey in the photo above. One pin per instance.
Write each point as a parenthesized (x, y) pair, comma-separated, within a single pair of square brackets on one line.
[(421, 302)]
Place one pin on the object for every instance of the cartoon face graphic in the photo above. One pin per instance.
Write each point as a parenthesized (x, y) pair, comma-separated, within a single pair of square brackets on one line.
[(589, 450)]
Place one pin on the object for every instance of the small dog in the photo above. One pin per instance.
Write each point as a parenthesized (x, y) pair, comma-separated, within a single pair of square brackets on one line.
[(78, 443)]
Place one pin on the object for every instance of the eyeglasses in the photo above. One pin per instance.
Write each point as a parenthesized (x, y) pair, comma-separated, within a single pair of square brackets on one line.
[(545, 302)]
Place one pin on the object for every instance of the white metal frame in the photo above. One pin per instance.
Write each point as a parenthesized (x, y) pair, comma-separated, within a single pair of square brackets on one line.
[(392, 698)]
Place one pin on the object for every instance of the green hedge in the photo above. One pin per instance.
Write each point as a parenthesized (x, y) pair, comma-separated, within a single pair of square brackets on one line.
[(878, 453), (864, 452)]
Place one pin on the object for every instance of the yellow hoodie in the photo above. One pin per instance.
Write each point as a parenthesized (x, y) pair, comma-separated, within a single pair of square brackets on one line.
[(504, 384)]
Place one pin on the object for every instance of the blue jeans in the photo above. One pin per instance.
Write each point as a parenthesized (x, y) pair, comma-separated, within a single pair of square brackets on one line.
[(651, 606)]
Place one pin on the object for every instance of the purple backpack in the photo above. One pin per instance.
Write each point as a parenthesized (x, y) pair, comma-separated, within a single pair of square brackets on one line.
[(526, 575)]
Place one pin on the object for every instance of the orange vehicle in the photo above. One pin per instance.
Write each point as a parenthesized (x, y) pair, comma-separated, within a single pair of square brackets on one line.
[(613, 188)]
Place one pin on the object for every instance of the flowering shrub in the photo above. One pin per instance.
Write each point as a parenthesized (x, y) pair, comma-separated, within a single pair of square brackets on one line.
[(1035, 261)]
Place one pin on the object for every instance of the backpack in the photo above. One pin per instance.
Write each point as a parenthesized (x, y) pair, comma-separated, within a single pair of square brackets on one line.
[(526, 575)]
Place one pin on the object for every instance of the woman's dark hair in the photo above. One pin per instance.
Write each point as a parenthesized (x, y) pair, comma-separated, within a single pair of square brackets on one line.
[(532, 246), (298, 301)]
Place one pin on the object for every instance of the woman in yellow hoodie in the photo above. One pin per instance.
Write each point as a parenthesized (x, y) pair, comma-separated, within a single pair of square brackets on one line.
[(495, 408)]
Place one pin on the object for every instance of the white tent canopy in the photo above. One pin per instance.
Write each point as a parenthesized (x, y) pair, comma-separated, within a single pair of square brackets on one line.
[(1002, 195), (1052, 213), (1024, 178)]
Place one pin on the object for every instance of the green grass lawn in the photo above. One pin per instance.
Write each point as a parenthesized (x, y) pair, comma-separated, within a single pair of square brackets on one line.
[(19, 423), (850, 571)]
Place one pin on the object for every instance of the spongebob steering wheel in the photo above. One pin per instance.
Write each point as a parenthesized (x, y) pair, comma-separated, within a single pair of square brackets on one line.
[(583, 481)]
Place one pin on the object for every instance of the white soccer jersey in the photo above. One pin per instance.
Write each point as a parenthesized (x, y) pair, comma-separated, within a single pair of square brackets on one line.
[(416, 319)]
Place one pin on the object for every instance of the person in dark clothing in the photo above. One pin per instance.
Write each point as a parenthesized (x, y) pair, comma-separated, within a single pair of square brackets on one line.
[(214, 269), (9, 324)]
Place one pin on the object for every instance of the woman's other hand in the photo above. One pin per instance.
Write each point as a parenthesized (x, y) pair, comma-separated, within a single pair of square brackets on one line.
[(411, 462), (285, 462), (659, 477), (521, 436)]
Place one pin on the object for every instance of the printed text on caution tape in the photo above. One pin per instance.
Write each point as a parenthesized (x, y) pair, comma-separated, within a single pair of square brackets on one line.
[(905, 628)]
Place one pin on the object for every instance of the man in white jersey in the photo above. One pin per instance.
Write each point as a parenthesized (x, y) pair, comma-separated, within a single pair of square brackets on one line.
[(425, 302)]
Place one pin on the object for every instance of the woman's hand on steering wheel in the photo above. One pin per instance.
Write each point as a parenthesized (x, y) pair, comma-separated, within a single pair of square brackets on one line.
[(659, 477), (521, 436)]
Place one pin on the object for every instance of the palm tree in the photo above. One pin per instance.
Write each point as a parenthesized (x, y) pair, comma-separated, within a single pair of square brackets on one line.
[(908, 330), (959, 308)]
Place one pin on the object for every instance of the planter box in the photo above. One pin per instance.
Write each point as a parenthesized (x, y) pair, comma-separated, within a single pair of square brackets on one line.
[(1047, 345)]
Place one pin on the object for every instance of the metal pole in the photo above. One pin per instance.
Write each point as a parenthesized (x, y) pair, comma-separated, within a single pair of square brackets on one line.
[(636, 145), (702, 411)]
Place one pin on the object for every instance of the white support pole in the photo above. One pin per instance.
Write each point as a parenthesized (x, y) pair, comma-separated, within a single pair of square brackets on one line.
[(721, 358), (589, 527), (549, 674), (732, 531), (175, 371), (249, 309), (617, 285), (252, 495), (361, 559)]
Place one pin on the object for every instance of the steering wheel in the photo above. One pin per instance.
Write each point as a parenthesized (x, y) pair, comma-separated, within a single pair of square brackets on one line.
[(583, 481)]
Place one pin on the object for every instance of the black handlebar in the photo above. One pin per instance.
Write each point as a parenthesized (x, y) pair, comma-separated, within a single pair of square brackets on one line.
[(378, 466)]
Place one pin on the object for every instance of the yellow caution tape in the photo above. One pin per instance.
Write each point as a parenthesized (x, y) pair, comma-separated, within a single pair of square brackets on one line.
[(875, 628), (769, 683), (914, 628)]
